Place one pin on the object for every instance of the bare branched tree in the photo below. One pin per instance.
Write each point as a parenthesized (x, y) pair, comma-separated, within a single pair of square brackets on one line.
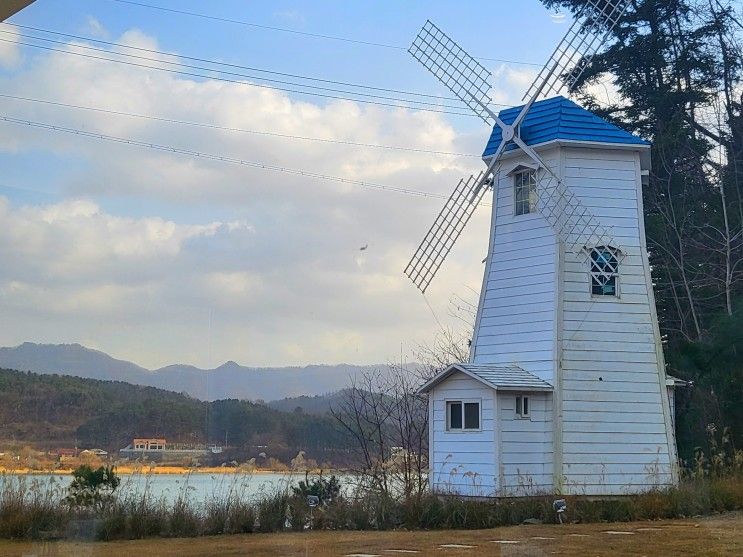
[(388, 419)]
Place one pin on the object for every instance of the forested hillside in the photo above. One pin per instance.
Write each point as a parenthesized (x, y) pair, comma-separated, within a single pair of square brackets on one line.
[(55, 410), (678, 68)]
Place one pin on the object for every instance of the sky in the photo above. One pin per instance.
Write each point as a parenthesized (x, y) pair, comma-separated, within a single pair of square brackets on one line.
[(159, 257)]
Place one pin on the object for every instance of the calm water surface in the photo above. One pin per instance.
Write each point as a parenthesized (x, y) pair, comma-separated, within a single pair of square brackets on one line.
[(197, 487)]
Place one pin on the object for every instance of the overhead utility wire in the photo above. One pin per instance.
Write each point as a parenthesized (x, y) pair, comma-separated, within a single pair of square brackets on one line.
[(232, 129), (226, 64), (219, 158), (295, 31), (220, 71), (237, 81)]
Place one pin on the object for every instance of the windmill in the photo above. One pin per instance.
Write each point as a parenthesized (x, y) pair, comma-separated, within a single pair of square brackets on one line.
[(564, 390), (573, 223)]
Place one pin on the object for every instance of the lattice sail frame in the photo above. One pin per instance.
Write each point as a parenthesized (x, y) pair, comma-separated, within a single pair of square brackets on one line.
[(577, 48), (458, 71), (573, 222), (440, 238)]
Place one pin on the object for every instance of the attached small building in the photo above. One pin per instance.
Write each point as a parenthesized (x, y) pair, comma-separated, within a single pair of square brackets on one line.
[(565, 389), (492, 433)]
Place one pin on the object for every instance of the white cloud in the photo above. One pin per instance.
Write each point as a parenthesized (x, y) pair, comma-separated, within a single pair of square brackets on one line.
[(605, 92), (277, 277), (96, 28), (10, 51), (512, 82)]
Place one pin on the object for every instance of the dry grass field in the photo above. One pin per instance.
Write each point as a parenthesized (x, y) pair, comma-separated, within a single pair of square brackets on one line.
[(719, 535)]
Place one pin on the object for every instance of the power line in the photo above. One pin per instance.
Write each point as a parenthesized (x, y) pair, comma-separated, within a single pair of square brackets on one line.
[(220, 158), (295, 31), (237, 81), (245, 76), (219, 63), (231, 129), (394, 102)]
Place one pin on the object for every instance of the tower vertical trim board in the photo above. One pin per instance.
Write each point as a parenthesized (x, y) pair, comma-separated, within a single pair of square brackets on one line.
[(669, 423), (557, 393), (431, 439), (498, 443), (486, 272)]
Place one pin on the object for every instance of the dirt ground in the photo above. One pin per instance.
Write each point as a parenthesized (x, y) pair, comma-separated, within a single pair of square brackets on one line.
[(719, 535)]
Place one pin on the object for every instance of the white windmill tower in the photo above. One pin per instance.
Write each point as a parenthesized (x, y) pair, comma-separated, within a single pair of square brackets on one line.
[(565, 389)]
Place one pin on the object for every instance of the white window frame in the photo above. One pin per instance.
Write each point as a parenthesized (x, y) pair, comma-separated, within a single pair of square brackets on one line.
[(520, 414), (463, 401), (593, 275), (531, 186)]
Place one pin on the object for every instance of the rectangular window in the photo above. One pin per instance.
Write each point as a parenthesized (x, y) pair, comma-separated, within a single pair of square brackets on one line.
[(454, 412), (462, 416), (471, 415), (522, 406), (525, 192)]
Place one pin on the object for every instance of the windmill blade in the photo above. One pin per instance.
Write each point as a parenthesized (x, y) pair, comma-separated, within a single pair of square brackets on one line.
[(577, 48), (574, 223), (445, 230), (452, 66)]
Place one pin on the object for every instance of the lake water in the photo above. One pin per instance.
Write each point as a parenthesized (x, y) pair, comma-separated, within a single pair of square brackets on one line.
[(198, 487)]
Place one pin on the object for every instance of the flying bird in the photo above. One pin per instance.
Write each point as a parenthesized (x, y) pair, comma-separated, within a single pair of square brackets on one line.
[(363, 248)]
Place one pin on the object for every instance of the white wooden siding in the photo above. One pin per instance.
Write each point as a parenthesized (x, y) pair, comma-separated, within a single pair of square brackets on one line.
[(517, 312), (463, 462), (526, 459), (615, 436), (612, 431)]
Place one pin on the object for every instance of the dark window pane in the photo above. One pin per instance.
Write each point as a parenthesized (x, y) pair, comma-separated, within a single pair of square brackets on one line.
[(525, 192), (526, 406), (604, 270), (471, 415), (605, 287), (455, 415)]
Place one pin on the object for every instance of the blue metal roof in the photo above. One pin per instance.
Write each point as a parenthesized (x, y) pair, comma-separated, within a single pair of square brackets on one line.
[(560, 118)]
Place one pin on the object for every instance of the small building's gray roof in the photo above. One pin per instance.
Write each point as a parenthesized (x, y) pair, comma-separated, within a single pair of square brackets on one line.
[(497, 376)]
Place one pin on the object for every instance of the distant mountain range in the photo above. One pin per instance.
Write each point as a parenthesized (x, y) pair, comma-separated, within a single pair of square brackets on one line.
[(229, 380)]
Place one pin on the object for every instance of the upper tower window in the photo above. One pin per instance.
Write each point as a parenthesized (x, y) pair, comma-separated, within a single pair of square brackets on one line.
[(604, 271), (525, 192)]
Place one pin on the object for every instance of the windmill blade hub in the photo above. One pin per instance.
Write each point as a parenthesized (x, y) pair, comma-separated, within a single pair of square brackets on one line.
[(508, 133)]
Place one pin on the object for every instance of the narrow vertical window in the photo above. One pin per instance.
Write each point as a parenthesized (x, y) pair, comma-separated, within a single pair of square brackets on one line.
[(471, 415), (522, 406), (525, 192), (454, 414), (604, 271)]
